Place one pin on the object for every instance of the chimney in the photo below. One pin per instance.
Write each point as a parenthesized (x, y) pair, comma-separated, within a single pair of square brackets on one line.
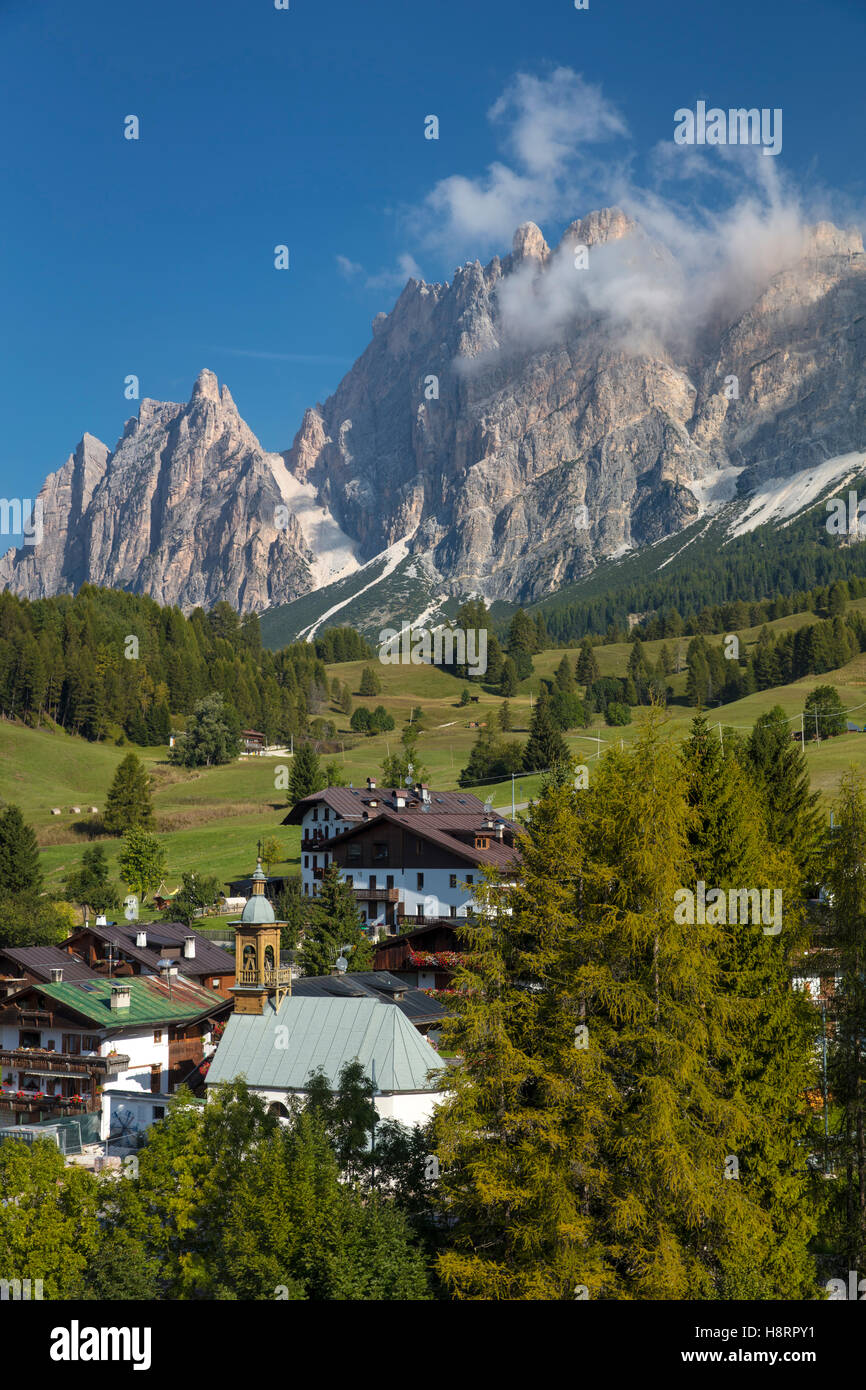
[(189, 947), (371, 784), (141, 938), (57, 974), (399, 800), (119, 997), (500, 829)]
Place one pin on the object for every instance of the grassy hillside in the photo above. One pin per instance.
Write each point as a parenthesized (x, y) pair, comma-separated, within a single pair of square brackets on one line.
[(212, 819)]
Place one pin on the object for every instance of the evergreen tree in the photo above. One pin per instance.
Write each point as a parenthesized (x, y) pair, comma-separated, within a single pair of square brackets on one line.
[(334, 927), (845, 882), (522, 642), (306, 776), (19, 854), (675, 1121), (505, 723), (290, 908), (370, 682), (91, 884), (587, 665), (521, 1181), (128, 802), (545, 747), (508, 679), (778, 765), (771, 1027), (565, 676)]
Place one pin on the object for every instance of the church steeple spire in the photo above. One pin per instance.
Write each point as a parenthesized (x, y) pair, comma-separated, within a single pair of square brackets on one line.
[(258, 972)]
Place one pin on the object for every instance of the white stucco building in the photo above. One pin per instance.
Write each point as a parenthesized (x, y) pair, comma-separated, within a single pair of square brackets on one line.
[(411, 855)]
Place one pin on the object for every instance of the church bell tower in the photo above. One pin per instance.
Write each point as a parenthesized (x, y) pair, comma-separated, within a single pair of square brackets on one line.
[(258, 973)]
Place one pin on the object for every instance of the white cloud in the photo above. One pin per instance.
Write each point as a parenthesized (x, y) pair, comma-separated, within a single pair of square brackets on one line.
[(407, 268), (715, 222), (348, 268), (548, 125)]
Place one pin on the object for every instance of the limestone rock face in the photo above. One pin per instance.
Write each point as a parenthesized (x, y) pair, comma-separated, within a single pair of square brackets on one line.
[(491, 471), (185, 509), (505, 425)]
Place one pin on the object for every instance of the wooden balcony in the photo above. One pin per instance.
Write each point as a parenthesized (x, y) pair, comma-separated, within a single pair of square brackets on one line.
[(276, 975), (30, 1102), (377, 895), (314, 842), (39, 1060)]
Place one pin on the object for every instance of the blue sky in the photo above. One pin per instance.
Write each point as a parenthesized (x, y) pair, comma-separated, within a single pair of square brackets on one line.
[(306, 127)]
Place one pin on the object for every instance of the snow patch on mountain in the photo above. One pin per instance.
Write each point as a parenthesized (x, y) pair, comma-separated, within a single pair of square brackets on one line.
[(392, 556), (335, 553), (780, 499)]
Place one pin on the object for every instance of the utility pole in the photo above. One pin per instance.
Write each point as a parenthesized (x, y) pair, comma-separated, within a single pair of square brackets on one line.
[(721, 738), (512, 796)]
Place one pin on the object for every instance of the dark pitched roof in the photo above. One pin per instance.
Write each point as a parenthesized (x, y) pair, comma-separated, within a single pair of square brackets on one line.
[(209, 959), (349, 803), (418, 1007), (436, 828), (41, 960)]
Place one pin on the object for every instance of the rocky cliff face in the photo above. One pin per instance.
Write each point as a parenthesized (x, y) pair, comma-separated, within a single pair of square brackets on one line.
[(505, 424), (185, 508), (538, 459)]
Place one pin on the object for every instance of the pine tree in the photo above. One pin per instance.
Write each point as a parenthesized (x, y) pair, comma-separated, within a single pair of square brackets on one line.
[(306, 776), (91, 885), (505, 723), (19, 854), (565, 676), (291, 908), (334, 927), (508, 679), (128, 802), (671, 1215), (845, 881), (370, 682), (545, 747), (587, 665), (521, 1183), (778, 765), (771, 1027)]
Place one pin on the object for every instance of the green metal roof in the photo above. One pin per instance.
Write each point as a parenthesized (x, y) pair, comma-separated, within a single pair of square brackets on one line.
[(148, 1000), (257, 910), (325, 1033)]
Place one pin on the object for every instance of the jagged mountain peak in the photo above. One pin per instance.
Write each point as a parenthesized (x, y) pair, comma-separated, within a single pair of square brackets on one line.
[(509, 439)]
